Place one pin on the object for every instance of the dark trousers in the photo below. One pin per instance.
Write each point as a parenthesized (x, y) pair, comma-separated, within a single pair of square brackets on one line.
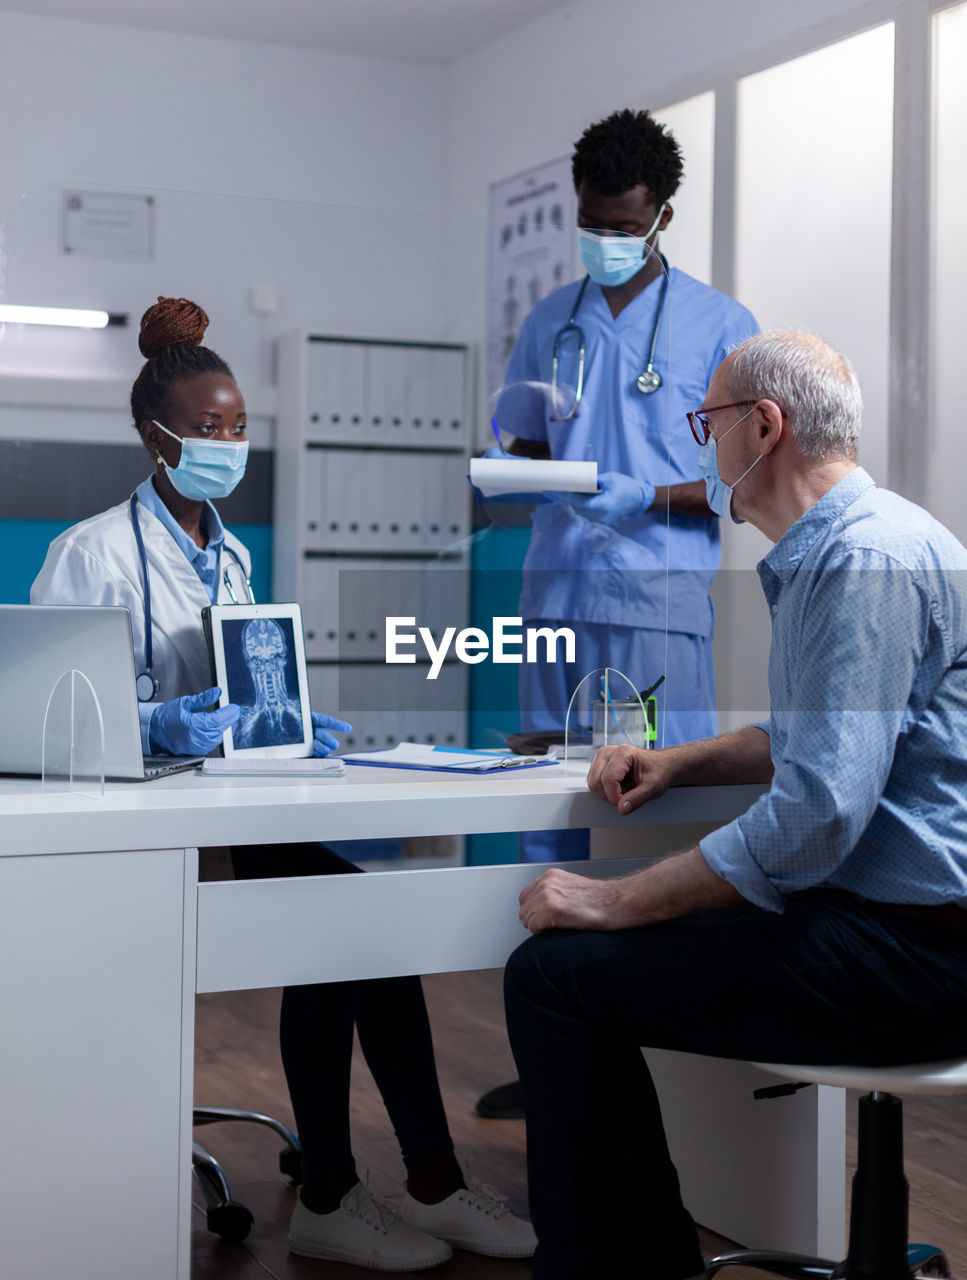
[(316, 1036), (831, 980)]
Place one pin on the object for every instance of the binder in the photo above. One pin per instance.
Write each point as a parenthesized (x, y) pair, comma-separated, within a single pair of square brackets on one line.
[(424, 757)]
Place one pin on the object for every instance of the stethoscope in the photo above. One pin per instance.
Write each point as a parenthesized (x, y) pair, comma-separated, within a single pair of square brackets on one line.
[(145, 684), (647, 382)]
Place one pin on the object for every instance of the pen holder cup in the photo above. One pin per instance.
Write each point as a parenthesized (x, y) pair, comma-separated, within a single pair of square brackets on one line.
[(619, 723)]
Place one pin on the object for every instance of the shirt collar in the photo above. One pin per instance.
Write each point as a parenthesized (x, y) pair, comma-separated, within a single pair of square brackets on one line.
[(149, 498), (791, 549)]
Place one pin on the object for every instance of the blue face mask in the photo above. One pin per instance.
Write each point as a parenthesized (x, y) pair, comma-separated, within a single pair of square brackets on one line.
[(207, 468), (718, 494), (614, 259)]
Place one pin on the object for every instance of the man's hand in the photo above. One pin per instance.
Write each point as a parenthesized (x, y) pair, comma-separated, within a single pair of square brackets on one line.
[(560, 900), (678, 886), (628, 776)]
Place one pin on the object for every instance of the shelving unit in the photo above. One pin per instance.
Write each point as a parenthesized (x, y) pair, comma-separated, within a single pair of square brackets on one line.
[(372, 517)]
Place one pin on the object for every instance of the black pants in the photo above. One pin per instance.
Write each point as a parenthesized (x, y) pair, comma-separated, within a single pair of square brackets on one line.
[(828, 981), (316, 1035)]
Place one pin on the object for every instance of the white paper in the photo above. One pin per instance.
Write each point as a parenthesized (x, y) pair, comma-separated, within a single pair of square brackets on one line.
[(494, 476)]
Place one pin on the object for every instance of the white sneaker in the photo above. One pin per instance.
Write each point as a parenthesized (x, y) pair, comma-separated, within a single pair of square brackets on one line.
[(364, 1231), (476, 1218)]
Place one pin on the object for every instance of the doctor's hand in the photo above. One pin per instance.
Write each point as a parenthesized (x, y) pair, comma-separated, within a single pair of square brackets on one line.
[(322, 740), (560, 900), (620, 496), (182, 727), (629, 776)]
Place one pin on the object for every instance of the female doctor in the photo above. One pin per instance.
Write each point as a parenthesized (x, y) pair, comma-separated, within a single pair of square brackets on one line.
[(164, 554)]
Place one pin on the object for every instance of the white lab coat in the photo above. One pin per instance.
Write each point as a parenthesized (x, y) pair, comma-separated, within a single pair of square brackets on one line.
[(97, 562)]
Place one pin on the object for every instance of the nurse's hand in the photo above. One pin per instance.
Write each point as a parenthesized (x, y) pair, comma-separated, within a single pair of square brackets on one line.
[(182, 727), (618, 497), (322, 740), (629, 776)]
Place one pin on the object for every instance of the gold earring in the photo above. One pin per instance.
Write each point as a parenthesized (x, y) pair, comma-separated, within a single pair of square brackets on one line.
[(158, 458)]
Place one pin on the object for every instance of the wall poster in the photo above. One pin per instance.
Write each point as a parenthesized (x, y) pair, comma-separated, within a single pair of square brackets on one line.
[(532, 242)]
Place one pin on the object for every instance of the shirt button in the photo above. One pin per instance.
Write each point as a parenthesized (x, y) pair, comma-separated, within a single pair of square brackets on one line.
[(775, 608)]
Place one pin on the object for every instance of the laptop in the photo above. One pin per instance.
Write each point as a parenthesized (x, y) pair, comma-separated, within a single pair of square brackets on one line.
[(38, 643)]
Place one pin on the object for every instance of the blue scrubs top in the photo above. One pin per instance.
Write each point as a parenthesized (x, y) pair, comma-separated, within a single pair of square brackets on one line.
[(590, 572)]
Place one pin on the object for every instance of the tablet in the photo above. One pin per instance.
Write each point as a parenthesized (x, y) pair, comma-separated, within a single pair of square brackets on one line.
[(259, 661)]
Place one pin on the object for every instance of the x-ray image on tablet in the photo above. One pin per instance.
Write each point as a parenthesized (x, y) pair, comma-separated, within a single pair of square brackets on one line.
[(259, 663)]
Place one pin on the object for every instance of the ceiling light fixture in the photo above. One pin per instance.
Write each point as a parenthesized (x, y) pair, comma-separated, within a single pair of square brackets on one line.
[(72, 317)]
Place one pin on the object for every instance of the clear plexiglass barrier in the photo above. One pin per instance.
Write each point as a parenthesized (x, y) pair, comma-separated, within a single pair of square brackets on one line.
[(73, 740), (605, 710)]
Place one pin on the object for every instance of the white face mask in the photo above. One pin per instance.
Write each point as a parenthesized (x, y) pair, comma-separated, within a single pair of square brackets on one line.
[(207, 468)]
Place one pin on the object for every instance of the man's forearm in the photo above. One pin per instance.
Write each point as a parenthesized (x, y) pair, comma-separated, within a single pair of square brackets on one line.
[(680, 886), (732, 758)]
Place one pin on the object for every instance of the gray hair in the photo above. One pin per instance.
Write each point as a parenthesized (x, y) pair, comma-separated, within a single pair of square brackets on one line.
[(813, 384)]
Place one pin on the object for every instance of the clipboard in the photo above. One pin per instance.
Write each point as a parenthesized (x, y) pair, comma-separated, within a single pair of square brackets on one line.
[(424, 757)]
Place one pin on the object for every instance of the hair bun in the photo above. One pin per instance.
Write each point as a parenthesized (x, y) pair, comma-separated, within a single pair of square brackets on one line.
[(171, 322)]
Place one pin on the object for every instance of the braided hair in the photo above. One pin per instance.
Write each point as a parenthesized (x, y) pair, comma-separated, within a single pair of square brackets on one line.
[(624, 150), (170, 341)]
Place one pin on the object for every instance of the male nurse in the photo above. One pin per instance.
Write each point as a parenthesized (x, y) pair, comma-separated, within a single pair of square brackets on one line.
[(635, 561)]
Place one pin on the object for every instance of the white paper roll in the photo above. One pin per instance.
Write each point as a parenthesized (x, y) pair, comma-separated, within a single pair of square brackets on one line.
[(496, 476)]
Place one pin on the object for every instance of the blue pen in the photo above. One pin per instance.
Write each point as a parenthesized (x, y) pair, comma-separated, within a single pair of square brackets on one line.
[(500, 443), (608, 699)]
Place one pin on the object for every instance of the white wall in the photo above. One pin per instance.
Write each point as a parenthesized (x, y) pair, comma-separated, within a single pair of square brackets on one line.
[(320, 174), (526, 98), (944, 433)]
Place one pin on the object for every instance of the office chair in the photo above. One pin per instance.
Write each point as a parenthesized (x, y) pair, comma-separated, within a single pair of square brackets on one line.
[(227, 1217), (878, 1246)]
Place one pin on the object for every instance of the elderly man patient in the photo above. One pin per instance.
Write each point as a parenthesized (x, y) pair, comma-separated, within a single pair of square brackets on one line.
[(825, 925)]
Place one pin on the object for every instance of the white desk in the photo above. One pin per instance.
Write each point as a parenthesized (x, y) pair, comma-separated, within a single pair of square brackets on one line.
[(105, 935)]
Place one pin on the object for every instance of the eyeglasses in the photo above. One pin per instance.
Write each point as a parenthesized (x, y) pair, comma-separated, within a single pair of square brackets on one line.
[(698, 418)]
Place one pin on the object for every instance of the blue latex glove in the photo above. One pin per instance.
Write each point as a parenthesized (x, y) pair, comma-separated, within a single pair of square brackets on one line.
[(498, 451), (182, 727), (322, 740), (619, 497)]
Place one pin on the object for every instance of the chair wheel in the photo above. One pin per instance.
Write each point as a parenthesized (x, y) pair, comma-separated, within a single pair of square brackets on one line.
[(290, 1163), (927, 1260), (232, 1221)]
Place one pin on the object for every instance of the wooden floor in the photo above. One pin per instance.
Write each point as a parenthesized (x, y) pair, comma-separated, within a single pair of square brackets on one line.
[(237, 1065)]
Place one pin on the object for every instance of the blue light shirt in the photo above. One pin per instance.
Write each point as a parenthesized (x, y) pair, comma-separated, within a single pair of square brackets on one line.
[(591, 572), (868, 691), (204, 560)]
